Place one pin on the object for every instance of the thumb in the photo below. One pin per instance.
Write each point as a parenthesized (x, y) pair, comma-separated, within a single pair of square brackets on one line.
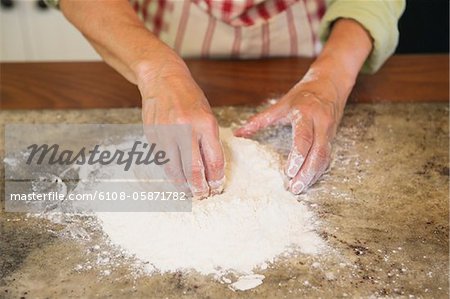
[(262, 120)]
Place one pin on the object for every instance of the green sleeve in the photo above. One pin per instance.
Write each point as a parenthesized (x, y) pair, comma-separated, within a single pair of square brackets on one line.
[(52, 3), (378, 17)]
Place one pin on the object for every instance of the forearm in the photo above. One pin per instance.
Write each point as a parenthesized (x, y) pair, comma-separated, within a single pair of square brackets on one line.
[(343, 55), (118, 35)]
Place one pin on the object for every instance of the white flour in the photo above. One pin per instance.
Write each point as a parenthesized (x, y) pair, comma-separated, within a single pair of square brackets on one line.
[(239, 231), (250, 224)]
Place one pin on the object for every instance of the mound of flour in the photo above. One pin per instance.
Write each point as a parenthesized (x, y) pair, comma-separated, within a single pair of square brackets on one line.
[(249, 225)]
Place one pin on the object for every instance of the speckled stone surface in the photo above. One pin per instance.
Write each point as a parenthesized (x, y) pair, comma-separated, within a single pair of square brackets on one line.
[(383, 209)]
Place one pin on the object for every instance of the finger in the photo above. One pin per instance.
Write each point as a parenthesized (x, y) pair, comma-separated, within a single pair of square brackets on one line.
[(194, 170), (150, 133), (315, 164), (214, 161), (166, 139), (174, 169), (262, 120), (149, 110), (302, 140), (322, 170)]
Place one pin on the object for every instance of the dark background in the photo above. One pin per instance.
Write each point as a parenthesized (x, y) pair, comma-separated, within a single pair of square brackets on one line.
[(424, 27)]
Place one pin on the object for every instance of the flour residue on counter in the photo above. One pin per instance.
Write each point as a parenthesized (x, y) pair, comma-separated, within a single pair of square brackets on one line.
[(249, 225), (240, 232)]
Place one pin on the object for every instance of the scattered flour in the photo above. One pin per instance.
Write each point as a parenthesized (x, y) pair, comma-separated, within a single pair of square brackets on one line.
[(247, 282), (244, 229), (249, 225)]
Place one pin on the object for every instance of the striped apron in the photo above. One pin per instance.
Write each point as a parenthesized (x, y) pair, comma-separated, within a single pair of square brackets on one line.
[(235, 28)]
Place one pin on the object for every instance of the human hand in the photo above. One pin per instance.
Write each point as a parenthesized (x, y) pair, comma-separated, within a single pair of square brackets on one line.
[(314, 108), (171, 96)]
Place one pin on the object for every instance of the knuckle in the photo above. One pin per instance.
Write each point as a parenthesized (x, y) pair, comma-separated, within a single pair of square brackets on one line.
[(328, 110), (198, 182), (306, 176), (306, 136), (209, 121), (197, 170), (183, 119), (305, 107), (216, 165), (176, 177), (323, 154), (328, 122), (170, 171), (316, 104)]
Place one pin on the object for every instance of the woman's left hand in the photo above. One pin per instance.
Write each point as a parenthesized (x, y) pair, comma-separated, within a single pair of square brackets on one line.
[(314, 108)]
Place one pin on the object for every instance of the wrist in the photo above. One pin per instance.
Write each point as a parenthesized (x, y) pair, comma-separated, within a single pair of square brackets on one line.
[(343, 55), (332, 69), (164, 64)]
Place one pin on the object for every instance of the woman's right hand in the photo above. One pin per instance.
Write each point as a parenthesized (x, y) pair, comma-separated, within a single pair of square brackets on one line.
[(171, 96)]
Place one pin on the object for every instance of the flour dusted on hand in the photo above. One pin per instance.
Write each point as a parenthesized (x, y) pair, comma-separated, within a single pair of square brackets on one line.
[(251, 223)]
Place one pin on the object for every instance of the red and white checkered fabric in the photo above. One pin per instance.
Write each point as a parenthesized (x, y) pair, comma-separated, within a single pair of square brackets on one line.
[(244, 12), (153, 17), (233, 12)]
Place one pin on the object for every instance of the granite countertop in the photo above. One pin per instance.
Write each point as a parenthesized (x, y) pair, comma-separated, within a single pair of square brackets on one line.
[(383, 209)]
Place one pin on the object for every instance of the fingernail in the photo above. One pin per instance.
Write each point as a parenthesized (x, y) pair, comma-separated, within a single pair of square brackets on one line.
[(295, 163), (199, 195), (182, 187), (241, 131), (217, 186), (237, 132), (297, 187)]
